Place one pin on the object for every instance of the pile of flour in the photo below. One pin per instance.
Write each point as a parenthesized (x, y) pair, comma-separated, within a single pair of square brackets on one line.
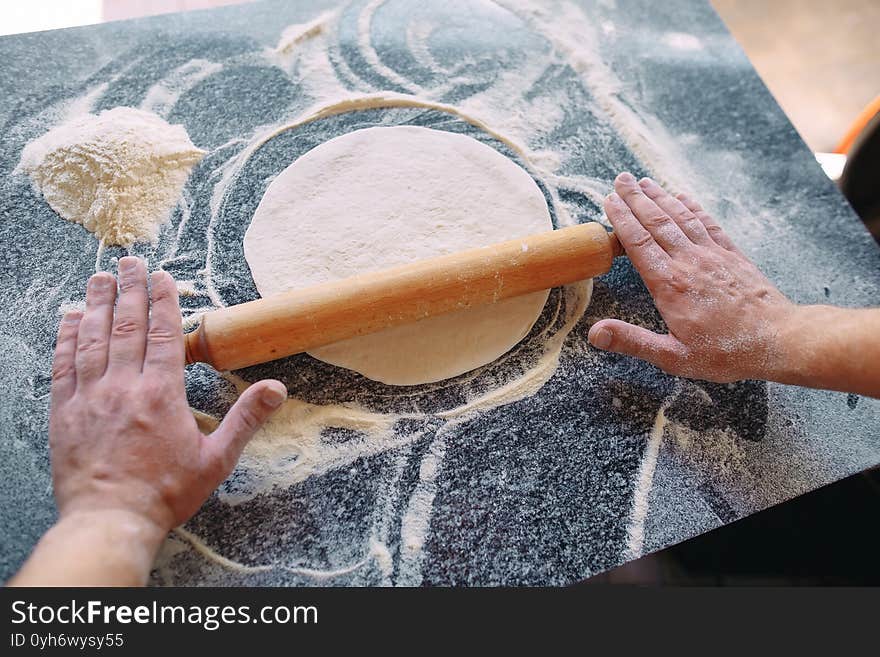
[(118, 173)]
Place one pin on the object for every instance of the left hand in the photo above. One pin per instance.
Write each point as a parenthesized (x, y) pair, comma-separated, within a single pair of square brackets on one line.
[(121, 433)]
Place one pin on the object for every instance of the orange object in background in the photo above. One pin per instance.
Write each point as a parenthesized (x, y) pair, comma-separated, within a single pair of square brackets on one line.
[(861, 122), (859, 180)]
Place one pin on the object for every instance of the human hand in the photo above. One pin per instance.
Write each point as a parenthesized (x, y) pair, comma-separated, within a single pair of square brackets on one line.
[(724, 316), (122, 436)]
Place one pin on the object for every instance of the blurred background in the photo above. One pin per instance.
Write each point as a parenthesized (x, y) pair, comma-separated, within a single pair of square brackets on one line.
[(820, 60)]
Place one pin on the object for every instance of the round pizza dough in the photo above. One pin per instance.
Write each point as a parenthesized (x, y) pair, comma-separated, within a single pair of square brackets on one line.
[(381, 197)]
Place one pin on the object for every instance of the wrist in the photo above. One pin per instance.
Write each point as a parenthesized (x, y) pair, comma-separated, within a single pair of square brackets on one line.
[(125, 527), (115, 547), (800, 345)]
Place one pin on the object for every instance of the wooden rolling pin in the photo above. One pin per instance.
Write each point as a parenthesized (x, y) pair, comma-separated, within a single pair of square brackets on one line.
[(299, 320)]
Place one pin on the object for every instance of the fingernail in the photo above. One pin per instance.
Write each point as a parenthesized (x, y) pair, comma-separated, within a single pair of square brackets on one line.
[(613, 198), (274, 396), (72, 318), (127, 264), (100, 282), (626, 177), (601, 338), (645, 182)]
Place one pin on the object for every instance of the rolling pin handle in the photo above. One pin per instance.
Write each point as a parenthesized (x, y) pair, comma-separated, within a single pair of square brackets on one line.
[(195, 348)]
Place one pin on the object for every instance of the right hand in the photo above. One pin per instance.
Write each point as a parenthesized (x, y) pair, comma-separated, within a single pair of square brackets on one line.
[(725, 318)]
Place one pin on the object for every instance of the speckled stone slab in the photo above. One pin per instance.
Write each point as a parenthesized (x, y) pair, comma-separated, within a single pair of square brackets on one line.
[(550, 488)]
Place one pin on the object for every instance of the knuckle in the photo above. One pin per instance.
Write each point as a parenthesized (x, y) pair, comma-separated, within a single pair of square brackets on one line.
[(62, 370), (114, 397), (129, 282), (679, 280), (89, 345), (160, 291), (642, 241), (684, 216), (656, 221), (250, 418), (126, 327), (65, 342), (163, 334), (632, 197)]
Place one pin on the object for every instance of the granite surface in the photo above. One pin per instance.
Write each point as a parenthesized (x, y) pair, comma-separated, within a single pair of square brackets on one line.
[(576, 478)]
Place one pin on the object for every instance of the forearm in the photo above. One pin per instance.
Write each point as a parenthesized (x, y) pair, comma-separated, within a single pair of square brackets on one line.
[(100, 548), (831, 348)]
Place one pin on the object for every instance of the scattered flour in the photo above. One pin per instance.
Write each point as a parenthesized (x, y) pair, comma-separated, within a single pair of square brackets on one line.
[(162, 96), (118, 173), (291, 447), (682, 41), (635, 531), (293, 35)]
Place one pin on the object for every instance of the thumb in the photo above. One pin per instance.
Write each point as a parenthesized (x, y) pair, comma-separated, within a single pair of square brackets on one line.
[(247, 415), (664, 351)]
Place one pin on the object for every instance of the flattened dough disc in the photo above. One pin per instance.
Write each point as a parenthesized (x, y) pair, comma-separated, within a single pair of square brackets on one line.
[(381, 197)]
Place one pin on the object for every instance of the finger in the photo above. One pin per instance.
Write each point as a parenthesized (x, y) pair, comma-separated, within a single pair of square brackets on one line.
[(93, 337), (129, 335), (646, 255), (64, 362), (246, 416), (678, 211), (664, 351), (661, 226), (715, 231), (165, 336)]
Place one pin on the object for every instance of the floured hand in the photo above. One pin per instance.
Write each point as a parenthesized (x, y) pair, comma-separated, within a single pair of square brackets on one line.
[(725, 318), (128, 462)]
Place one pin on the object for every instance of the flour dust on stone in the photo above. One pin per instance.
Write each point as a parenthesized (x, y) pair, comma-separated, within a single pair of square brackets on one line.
[(508, 74), (292, 448)]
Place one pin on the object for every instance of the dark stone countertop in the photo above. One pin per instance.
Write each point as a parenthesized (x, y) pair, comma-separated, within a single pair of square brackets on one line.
[(581, 476)]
